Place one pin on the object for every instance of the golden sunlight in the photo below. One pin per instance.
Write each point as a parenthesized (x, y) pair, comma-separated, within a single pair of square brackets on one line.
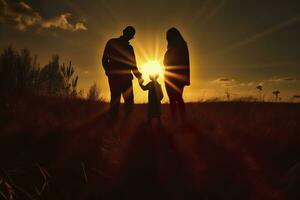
[(152, 67)]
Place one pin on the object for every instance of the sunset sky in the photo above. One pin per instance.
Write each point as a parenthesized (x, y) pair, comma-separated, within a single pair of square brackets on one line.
[(234, 44)]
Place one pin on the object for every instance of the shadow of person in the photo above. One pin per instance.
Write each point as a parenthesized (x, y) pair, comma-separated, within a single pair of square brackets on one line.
[(293, 182), (153, 167)]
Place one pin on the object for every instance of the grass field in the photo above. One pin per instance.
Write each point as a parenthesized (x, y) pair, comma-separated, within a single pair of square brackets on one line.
[(52, 148)]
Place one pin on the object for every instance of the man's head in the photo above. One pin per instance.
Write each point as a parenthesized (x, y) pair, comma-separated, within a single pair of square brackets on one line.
[(128, 33)]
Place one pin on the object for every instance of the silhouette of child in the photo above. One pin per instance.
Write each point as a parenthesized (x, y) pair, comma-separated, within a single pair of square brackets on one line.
[(155, 95)]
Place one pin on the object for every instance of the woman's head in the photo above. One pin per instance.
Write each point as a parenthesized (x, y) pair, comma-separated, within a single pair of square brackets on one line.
[(175, 38)]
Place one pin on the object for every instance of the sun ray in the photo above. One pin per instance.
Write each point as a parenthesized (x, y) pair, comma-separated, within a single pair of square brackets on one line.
[(174, 75), (128, 91), (125, 58), (157, 49), (260, 35), (207, 17), (137, 94), (213, 13), (172, 85), (141, 51), (113, 16), (198, 14)]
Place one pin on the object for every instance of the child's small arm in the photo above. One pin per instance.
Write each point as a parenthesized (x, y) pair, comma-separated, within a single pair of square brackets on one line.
[(144, 87)]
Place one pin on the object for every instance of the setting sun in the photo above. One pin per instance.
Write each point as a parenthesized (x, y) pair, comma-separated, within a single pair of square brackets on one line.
[(152, 67)]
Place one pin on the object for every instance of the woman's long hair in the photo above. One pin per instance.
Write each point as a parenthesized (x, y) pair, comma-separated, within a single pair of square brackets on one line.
[(175, 39)]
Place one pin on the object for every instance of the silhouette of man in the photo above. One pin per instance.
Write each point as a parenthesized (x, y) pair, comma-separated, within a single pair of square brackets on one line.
[(119, 63)]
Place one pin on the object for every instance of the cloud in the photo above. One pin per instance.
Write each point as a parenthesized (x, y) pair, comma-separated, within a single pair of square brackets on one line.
[(22, 16), (283, 79), (63, 23), (275, 80), (18, 14), (262, 83), (249, 84), (230, 83), (223, 80)]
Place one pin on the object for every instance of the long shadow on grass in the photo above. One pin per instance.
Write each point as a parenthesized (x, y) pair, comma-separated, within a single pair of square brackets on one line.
[(153, 169)]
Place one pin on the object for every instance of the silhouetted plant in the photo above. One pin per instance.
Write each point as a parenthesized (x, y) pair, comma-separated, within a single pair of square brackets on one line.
[(214, 99), (70, 82), (74, 86), (51, 78), (94, 92), (276, 94), (80, 94), (8, 64), (59, 80), (18, 71), (260, 87), (227, 95)]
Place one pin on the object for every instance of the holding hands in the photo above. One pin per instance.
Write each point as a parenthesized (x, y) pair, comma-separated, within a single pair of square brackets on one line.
[(141, 81)]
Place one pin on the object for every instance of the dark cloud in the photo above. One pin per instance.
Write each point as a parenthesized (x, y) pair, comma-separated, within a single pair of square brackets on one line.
[(23, 16), (18, 14)]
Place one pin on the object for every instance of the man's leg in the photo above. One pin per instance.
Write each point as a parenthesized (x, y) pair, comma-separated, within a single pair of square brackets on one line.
[(128, 98), (115, 96)]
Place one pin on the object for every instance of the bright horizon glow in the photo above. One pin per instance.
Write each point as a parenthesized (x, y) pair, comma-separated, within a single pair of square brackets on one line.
[(152, 67)]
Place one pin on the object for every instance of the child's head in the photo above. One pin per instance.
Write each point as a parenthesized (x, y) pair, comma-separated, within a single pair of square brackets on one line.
[(153, 77)]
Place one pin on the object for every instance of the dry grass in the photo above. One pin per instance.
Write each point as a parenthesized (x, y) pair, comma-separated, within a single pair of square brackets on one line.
[(52, 148)]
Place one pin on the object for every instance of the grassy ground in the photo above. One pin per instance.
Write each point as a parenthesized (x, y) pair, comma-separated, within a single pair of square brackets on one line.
[(53, 148)]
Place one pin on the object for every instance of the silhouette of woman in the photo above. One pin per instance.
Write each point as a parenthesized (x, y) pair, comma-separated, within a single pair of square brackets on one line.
[(177, 70)]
